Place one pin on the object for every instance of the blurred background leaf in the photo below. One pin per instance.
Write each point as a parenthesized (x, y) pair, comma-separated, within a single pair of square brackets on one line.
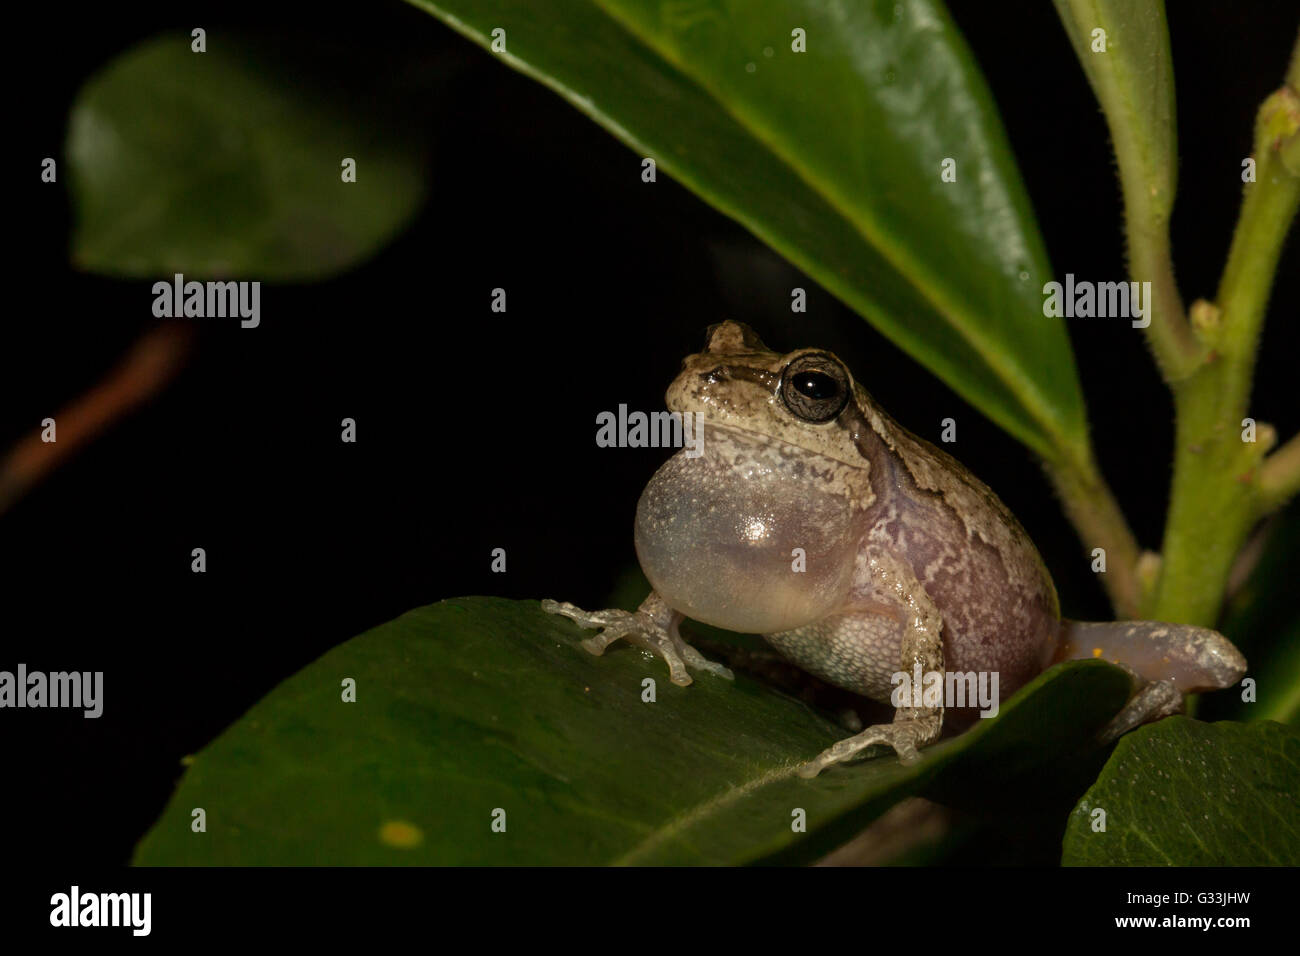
[(833, 157), (228, 163)]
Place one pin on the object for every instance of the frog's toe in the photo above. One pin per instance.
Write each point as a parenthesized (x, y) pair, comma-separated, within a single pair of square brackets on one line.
[(596, 645), (701, 663), (906, 737), (1158, 699), (677, 671), (586, 618), (614, 623), (844, 749), (659, 641), (667, 643), (644, 630)]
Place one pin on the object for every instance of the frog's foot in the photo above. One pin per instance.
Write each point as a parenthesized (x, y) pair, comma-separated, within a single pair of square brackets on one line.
[(905, 736), (1165, 662), (652, 626), (1160, 698)]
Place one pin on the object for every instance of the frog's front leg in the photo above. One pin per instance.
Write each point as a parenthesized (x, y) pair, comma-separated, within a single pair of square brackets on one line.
[(894, 608), (653, 626)]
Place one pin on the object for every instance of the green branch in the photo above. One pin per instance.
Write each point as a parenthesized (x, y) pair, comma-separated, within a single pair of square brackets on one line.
[(1094, 512), (1222, 483), (1279, 476)]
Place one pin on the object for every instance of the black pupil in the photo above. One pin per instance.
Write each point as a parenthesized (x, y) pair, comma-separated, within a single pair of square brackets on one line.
[(816, 385)]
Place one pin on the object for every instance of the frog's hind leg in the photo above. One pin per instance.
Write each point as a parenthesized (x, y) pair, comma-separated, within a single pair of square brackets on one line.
[(1195, 658), (894, 604), (1166, 661)]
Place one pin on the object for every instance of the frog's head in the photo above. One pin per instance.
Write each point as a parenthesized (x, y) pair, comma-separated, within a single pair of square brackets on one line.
[(804, 398), (776, 473)]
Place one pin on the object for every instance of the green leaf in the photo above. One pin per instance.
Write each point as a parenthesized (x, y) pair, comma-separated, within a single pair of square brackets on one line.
[(1185, 793), (228, 163), (478, 704), (832, 157), (1133, 79)]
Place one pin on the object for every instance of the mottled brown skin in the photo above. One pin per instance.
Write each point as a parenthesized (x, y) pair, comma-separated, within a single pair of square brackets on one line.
[(909, 559), (900, 494), (996, 599)]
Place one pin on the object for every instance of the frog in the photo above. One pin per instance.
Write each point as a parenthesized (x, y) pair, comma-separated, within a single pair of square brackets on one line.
[(803, 513)]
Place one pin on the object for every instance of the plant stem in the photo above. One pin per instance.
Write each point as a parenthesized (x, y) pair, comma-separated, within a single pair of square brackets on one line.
[(1134, 83), (1146, 230), (151, 363), (1279, 476), (1095, 513), (1219, 489)]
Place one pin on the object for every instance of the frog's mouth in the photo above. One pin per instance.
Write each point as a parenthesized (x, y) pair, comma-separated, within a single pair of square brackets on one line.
[(768, 380), (701, 435), (695, 389), (706, 422)]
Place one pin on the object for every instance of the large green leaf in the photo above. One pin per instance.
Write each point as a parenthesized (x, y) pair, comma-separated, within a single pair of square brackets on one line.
[(833, 157), (478, 704), (228, 163), (1185, 793)]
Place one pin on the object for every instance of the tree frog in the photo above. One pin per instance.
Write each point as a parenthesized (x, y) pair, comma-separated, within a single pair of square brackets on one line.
[(859, 552)]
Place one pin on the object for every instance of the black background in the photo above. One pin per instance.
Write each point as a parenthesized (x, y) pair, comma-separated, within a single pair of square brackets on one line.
[(610, 281)]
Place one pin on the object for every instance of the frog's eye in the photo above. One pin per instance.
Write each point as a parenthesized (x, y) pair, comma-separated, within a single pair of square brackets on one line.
[(815, 387)]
